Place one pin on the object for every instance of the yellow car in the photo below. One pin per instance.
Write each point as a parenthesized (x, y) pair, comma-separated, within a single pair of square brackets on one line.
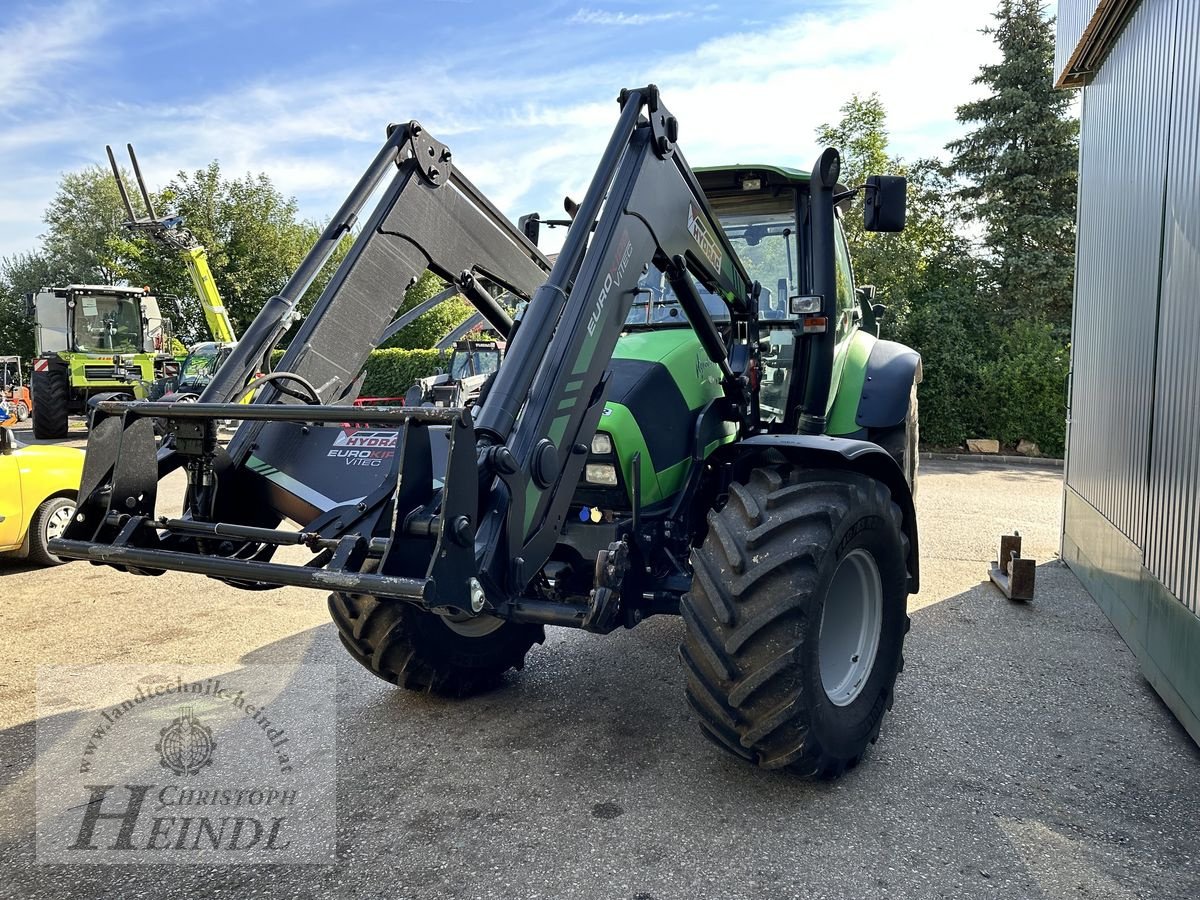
[(38, 484)]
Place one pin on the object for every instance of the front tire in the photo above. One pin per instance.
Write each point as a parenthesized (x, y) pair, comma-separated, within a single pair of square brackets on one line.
[(795, 623), (50, 393), (49, 521), (421, 651)]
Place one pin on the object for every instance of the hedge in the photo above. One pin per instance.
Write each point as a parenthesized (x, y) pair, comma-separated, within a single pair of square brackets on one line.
[(392, 372)]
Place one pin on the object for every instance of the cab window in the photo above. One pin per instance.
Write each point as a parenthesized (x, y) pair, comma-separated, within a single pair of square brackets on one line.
[(847, 305)]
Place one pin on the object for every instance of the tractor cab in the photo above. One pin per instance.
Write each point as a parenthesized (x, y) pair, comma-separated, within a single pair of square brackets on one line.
[(200, 365), (474, 358), (97, 319)]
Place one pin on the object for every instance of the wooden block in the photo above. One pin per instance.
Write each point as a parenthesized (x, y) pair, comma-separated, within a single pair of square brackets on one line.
[(1010, 546)]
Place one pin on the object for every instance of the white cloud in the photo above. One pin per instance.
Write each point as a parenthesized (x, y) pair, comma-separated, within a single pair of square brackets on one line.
[(34, 47), (526, 136), (586, 16)]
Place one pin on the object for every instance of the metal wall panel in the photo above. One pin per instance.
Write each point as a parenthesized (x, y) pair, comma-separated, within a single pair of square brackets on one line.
[(1122, 172), (1173, 518), (1072, 18)]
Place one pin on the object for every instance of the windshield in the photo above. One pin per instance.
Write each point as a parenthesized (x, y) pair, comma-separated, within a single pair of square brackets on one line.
[(479, 362), (201, 363), (108, 324), (766, 245)]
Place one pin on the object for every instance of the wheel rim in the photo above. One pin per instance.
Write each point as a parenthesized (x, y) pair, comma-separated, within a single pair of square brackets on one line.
[(472, 626), (57, 522), (850, 626)]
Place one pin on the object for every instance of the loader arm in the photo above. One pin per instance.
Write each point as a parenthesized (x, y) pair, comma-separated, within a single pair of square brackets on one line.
[(546, 400), (461, 509)]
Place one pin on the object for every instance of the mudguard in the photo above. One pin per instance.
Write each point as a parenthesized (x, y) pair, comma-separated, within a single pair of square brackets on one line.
[(891, 371), (845, 454), (875, 386)]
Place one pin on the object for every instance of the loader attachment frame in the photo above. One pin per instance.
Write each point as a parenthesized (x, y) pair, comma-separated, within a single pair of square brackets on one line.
[(474, 542)]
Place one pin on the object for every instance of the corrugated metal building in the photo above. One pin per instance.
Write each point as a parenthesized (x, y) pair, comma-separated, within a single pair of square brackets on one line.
[(1131, 523)]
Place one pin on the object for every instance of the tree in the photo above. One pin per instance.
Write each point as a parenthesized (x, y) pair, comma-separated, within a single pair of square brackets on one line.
[(250, 230), (1019, 161), (253, 240), (861, 137), (895, 263), (431, 327), (83, 218), (24, 273)]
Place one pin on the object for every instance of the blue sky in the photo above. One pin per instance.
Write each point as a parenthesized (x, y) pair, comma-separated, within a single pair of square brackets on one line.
[(524, 93)]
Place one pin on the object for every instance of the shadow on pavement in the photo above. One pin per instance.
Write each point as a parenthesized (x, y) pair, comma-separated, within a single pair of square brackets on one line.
[(1025, 756)]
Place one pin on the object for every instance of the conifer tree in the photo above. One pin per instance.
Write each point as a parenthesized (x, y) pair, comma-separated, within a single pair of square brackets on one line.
[(1019, 162)]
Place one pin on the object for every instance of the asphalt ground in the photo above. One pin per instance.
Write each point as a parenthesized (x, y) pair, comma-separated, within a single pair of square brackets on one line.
[(1025, 756)]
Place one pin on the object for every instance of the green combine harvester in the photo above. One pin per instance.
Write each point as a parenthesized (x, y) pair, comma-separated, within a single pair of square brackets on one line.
[(94, 340)]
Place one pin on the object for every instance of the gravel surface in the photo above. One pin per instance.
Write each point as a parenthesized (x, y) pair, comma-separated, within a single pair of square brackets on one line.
[(1025, 756)]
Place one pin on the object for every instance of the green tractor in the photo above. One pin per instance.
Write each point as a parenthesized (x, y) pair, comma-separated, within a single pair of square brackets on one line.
[(93, 339), (690, 419)]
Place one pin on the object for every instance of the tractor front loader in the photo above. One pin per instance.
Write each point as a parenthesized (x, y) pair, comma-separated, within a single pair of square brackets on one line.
[(688, 419)]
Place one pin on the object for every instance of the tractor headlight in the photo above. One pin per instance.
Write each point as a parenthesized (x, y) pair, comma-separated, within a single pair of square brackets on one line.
[(601, 444), (601, 473), (810, 305)]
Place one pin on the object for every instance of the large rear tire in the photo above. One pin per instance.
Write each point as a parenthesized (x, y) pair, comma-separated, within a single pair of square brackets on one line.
[(50, 392), (795, 623), (422, 651)]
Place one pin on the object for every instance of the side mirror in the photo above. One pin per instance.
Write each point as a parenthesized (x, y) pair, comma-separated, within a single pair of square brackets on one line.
[(531, 226), (866, 293), (879, 311), (30, 307), (884, 203)]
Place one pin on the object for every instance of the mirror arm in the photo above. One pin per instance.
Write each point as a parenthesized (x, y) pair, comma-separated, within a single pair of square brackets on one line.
[(849, 192)]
